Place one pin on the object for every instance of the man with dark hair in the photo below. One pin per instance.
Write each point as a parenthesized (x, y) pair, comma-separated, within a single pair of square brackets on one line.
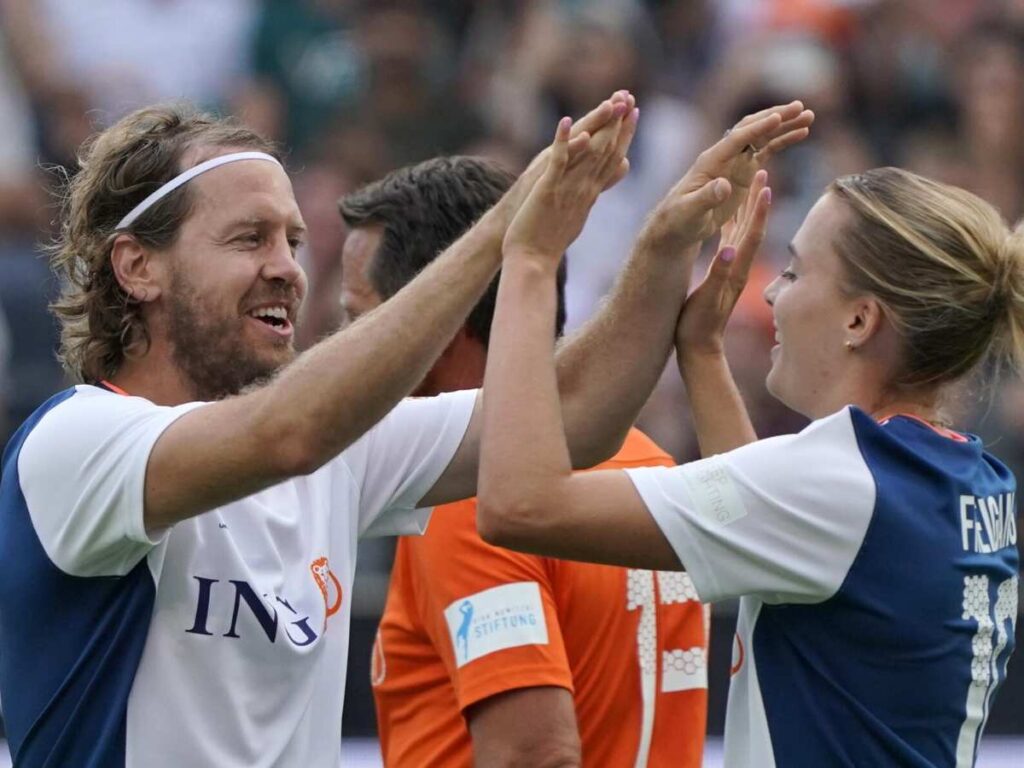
[(489, 656), (417, 212)]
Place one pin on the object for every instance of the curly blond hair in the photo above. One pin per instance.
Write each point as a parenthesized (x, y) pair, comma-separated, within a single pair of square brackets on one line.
[(118, 168)]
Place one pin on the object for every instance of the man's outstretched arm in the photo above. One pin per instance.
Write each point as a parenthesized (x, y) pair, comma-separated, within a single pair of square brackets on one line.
[(336, 391), (606, 371)]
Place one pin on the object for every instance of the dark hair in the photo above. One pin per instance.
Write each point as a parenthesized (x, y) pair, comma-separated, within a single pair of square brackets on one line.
[(425, 208), (118, 168)]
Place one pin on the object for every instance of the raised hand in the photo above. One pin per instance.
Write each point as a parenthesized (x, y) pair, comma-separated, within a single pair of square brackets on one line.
[(554, 211), (607, 119), (698, 204), (702, 322)]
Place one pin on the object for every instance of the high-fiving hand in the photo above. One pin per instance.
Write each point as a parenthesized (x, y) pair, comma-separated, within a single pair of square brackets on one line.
[(702, 322), (710, 192), (604, 120), (577, 169)]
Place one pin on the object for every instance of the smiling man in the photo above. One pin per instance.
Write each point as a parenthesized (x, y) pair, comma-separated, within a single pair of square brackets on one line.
[(187, 518), (178, 533)]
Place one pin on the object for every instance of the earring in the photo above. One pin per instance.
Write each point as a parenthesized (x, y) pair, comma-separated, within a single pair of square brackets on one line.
[(849, 345)]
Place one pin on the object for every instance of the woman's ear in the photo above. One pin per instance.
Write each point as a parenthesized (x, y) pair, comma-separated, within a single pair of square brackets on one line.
[(866, 321)]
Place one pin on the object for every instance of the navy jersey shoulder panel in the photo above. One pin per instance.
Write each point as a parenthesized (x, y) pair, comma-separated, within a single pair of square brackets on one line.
[(879, 674), (69, 646)]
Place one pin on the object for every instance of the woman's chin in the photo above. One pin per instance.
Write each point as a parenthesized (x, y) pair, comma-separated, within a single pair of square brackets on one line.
[(773, 383)]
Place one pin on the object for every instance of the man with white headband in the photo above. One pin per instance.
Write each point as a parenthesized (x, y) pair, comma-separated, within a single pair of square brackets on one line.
[(178, 533)]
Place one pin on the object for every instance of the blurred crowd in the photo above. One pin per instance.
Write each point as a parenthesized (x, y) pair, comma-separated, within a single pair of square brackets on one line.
[(355, 88)]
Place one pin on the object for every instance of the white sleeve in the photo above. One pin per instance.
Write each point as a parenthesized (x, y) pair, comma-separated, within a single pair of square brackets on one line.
[(82, 472), (781, 519), (400, 459)]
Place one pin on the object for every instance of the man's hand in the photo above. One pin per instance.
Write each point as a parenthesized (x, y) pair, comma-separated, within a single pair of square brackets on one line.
[(710, 192), (702, 322)]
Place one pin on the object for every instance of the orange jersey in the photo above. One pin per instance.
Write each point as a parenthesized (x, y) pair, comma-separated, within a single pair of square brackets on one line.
[(465, 621)]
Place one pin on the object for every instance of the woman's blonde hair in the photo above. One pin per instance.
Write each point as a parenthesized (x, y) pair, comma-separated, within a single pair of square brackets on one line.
[(118, 168), (945, 267)]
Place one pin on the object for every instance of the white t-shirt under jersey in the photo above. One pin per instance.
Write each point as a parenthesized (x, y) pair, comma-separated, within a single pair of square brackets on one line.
[(222, 641)]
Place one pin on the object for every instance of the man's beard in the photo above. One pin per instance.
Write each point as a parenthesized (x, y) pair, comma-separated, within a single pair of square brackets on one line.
[(211, 350)]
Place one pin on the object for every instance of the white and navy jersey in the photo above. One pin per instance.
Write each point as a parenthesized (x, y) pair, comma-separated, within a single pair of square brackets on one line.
[(221, 641), (877, 570)]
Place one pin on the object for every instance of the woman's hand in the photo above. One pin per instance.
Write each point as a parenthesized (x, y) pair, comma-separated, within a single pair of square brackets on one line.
[(692, 211), (578, 169), (591, 124), (701, 328)]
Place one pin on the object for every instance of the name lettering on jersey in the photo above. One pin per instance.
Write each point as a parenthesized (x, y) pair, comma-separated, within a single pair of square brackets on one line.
[(213, 595), (713, 491), (988, 523), (495, 619)]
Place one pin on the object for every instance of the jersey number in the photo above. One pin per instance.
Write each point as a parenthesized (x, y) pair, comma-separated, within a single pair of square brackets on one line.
[(985, 668), (681, 669)]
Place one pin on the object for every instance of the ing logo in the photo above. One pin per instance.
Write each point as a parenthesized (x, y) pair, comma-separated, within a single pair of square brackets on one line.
[(330, 587)]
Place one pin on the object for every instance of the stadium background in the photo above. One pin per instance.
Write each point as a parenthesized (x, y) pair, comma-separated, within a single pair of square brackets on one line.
[(354, 88)]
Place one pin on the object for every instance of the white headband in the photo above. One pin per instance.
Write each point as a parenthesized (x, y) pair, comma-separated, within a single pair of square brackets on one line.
[(185, 177)]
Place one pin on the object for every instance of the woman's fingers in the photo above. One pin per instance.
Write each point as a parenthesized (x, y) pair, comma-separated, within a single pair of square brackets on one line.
[(627, 132), (578, 144), (599, 116), (751, 241), (560, 148), (744, 215)]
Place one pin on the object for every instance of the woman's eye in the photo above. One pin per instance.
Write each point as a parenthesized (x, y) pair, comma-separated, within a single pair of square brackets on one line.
[(788, 274)]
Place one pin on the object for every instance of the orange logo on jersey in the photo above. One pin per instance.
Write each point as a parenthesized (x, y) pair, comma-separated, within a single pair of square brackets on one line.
[(738, 655), (329, 586), (378, 664)]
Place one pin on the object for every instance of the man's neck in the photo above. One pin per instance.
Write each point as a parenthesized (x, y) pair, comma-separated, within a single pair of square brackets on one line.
[(157, 380), (460, 367)]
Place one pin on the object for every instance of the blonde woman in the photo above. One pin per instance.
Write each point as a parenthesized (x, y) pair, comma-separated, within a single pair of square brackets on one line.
[(874, 553)]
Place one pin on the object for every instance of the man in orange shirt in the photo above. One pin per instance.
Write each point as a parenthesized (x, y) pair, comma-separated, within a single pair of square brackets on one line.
[(494, 657)]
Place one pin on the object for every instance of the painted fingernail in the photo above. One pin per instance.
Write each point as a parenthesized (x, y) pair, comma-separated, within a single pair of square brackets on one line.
[(635, 114), (768, 195), (727, 254), (565, 123)]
